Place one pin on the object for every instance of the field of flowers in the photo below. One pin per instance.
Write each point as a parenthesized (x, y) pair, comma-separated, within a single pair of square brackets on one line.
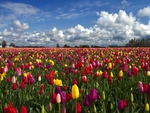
[(74, 80)]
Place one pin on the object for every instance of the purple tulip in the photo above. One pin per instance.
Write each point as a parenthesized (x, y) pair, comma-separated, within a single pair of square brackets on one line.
[(93, 94), (63, 97), (120, 105), (70, 69), (86, 101), (31, 80), (148, 89), (57, 89), (129, 73)]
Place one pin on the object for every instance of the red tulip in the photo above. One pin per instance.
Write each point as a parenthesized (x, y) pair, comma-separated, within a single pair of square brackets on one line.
[(22, 85), (145, 86), (87, 70), (105, 74), (51, 80), (10, 109), (84, 79), (53, 98), (125, 103), (14, 86), (23, 109), (75, 81), (69, 96), (79, 109)]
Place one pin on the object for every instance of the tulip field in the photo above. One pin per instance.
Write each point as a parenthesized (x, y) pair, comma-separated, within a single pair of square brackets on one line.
[(74, 80)]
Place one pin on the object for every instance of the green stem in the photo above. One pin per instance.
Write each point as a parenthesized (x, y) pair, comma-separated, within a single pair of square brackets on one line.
[(59, 110)]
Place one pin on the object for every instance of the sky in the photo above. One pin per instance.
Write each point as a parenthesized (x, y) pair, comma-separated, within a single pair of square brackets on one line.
[(73, 22)]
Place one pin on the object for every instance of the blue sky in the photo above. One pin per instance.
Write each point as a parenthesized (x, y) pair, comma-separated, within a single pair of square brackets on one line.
[(73, 22)]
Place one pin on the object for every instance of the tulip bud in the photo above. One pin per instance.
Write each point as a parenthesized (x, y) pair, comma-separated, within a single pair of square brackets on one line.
[(75, 92), (111, 106), (42, 109), (95, 110), (69, 96), (103, 95), (132, 98), (146, 107), (50, 106), (58, 98)]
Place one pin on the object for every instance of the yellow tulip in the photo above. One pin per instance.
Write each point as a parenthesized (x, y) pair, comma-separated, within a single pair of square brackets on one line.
[(110, 65), (58, 82), (121, 73), (146, 107), (148, 73), (111, 74), (75, 92), (100, 72)]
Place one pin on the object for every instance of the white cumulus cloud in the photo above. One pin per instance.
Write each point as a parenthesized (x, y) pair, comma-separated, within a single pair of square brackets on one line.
[(144, 12), (20, 26)]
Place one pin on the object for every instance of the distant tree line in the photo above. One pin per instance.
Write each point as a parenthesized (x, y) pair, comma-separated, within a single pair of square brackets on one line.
[(143, 42), (4, 44)]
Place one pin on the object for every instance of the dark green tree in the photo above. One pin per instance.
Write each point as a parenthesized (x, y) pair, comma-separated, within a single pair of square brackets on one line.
[(12, 45), (4, 44)]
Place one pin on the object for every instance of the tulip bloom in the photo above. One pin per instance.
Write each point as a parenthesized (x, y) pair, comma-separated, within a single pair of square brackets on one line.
[(79, 109), (10, 109), (120, 73), (86, 101), (84, 79), (145, 87), (22, 85), (53, 98), (146, 107), (18, 70), (57, 89), (93, 94), (120, 105), (75, 92), (13, 79), (14, 86), (23, 109), (69, 96), (58, 98), (58, 82), (63, 97), (148, 73)]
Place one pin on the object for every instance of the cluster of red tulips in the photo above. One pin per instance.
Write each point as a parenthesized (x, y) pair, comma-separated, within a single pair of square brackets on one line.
[(80, 80)]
